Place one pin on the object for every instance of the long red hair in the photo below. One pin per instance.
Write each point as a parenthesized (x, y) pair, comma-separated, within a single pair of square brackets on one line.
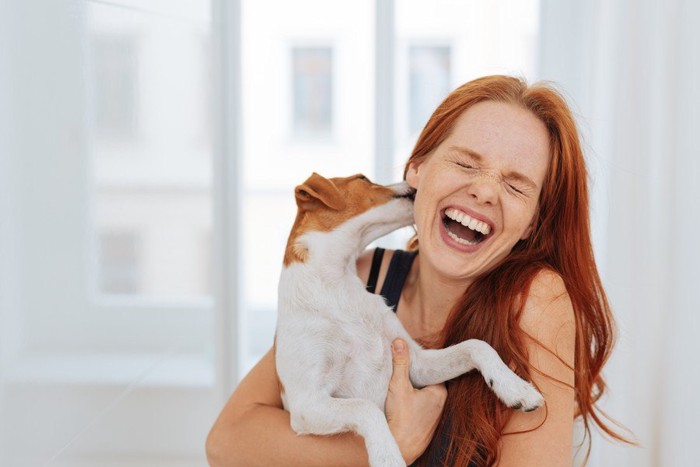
[(474, 419)]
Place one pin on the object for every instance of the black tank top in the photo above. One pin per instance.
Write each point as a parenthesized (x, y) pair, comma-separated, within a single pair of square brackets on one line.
[(399, 267)]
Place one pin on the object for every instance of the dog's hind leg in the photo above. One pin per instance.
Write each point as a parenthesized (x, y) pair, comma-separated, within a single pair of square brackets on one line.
[(324, 415), (432, 366)]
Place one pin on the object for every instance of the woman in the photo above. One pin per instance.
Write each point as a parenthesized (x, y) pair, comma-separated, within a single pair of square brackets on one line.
[(505, 255)]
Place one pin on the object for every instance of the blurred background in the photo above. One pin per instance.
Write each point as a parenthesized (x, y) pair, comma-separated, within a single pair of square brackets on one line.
[(148, 153)]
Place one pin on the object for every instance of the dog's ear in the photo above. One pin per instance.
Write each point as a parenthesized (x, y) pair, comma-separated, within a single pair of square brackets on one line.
[(319, 189)]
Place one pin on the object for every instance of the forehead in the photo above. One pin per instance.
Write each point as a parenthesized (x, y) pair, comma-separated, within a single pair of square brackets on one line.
[(504, 134)]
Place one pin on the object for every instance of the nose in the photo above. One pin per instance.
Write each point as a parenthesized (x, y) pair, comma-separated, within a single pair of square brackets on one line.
[(485, 188)]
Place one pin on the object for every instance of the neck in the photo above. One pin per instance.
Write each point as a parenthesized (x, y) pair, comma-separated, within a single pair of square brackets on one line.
[(331, 252), (430, 298)]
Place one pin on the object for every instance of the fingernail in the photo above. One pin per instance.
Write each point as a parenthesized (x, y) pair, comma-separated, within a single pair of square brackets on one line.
[(398, 346)]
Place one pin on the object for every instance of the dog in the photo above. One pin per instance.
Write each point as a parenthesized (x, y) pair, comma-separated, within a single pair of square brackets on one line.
[(333, 337)]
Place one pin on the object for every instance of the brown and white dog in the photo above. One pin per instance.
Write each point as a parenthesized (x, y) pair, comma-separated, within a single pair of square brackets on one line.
[(333, 340)]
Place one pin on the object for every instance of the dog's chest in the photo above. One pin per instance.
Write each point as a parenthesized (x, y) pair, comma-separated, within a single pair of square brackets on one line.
[(343, 330), (363, 363)]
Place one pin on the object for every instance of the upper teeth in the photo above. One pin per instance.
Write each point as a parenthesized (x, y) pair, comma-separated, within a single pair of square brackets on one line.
[(467, 221)]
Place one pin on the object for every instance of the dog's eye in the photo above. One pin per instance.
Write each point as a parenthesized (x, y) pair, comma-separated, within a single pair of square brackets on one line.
[(362, 177)]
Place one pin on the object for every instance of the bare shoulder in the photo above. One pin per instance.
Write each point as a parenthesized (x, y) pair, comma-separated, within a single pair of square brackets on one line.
[(543, 438), (548, 316), (364, 263)]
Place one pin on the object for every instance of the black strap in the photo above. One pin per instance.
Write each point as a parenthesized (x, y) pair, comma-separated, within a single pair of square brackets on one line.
[(396, 275), (399, 267), (374, 269)]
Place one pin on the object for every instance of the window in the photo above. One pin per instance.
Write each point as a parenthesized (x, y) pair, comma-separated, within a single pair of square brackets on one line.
[(331, 89), (312, 80), (110, 330), (158, 184), (440, 48), (307, 106)]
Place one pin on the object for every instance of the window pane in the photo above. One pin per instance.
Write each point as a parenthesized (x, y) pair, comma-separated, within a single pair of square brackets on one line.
[(151, 168), (105, 334), (307, 77), (440, 48)]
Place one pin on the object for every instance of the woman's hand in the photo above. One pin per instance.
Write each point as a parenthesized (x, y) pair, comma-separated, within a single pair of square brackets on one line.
[(413, 414)]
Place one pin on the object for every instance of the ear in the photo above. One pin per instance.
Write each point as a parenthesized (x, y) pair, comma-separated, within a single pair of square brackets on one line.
[(319, 189), (412, 174)]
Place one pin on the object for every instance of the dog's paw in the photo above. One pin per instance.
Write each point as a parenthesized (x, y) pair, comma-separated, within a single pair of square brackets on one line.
[(385, 455), (530, 399), (516, 393), (387, 461)]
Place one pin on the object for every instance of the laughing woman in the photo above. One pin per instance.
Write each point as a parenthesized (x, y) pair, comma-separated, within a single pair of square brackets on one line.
[(502, 253)]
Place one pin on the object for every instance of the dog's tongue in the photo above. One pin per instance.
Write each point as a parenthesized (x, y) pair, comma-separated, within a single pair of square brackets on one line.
[(461, 231)]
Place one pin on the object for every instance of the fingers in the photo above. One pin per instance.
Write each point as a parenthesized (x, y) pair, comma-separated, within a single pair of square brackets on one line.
[(401, 365)]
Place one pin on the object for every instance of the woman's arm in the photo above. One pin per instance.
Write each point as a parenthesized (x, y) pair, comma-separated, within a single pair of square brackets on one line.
[(548, 317), (253, 429)]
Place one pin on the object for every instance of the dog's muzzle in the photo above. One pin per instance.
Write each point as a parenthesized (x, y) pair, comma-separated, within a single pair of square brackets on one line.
[(410, 194)]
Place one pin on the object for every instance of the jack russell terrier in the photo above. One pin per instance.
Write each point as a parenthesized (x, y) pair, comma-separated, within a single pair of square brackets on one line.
[(333, 338)]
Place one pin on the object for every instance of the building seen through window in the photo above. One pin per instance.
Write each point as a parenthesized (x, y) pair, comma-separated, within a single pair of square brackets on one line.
[(121, 260), (151, 169), (312, 81), (115, 70), (429, 81)]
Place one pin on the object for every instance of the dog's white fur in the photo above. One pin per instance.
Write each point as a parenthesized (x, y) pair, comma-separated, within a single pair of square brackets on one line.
[(333, 341)]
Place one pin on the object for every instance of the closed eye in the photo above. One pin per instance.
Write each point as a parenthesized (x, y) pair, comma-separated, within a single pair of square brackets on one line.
[(517, 189), (514, 188), (465, 165)]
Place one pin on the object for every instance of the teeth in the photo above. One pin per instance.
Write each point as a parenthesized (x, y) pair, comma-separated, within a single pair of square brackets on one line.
[(460, 240), (467, 221)]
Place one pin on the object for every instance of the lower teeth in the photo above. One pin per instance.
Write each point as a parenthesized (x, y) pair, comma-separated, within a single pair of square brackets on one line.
[(460, 239)]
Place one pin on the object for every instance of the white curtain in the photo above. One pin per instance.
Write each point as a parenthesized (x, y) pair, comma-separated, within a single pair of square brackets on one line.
[(630, 68)]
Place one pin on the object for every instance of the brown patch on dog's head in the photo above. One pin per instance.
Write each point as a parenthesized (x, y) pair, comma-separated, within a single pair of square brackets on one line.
[(324, 204), (317, 189)]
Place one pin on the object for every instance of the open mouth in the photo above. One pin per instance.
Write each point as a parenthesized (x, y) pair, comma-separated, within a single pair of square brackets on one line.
[(463, 228)]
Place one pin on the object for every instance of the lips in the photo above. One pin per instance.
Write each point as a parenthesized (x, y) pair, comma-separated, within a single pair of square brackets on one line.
[(464, 229)]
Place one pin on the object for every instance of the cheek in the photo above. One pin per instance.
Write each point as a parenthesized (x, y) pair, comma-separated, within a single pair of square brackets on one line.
[(419, 209), (521, 219)]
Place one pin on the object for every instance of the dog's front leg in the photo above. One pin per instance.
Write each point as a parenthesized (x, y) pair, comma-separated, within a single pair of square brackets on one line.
[(432, 366), (325, 415)]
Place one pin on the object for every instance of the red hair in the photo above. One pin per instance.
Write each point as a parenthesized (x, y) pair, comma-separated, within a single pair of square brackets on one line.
[(474, 419)]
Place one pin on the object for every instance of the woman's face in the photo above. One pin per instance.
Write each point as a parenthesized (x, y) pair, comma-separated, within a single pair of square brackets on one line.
[(477, 192)]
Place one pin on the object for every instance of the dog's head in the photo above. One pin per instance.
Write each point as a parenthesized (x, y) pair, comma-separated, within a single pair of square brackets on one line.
[(333, 201), (324, 204)]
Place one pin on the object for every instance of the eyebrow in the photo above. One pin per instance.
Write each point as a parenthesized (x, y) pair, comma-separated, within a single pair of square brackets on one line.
[(479, 158)]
